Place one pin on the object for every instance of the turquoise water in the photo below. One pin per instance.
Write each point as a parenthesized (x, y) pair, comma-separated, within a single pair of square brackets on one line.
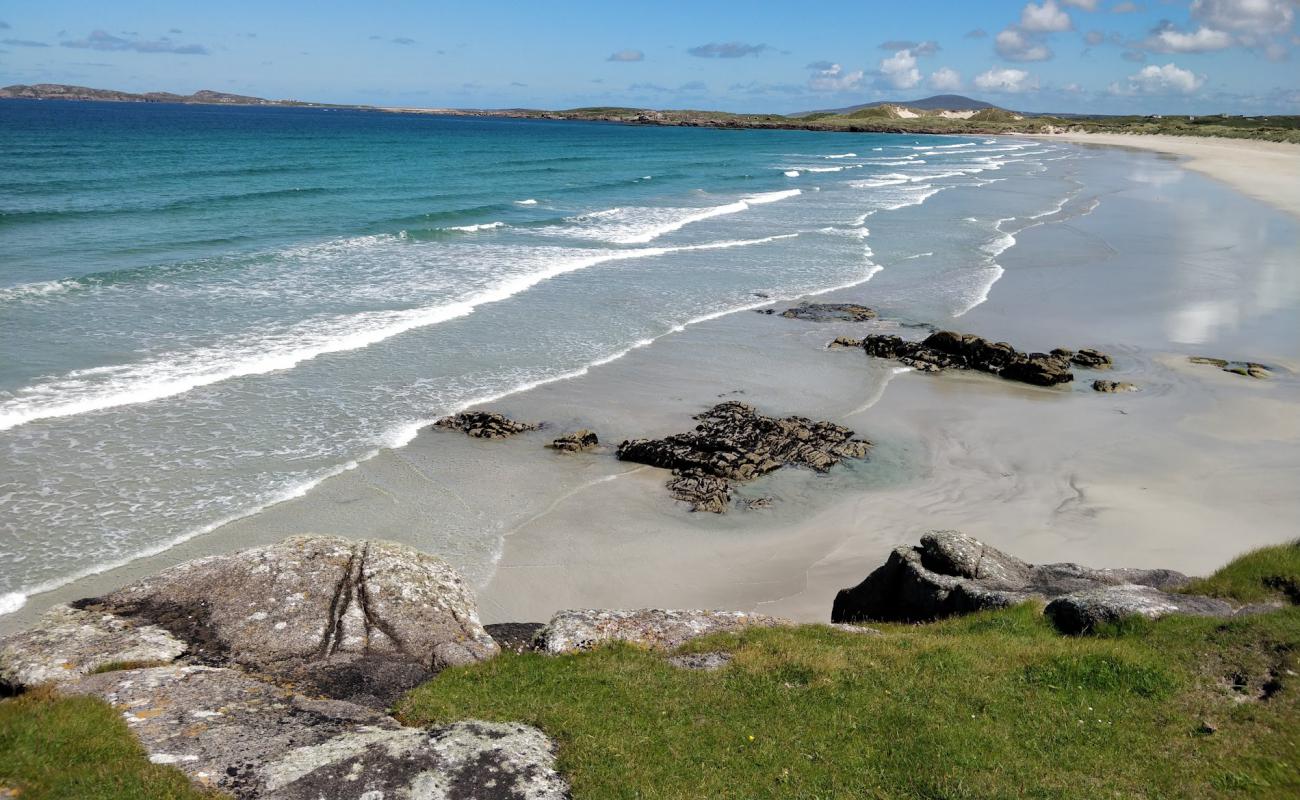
[(205, 310)]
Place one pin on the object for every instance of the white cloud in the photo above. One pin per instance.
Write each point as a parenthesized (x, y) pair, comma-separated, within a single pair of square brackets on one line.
[(899, 70), (1169, 79), (1013, 45), (945, 79), (1168, 39), (1005, 79), (834, 79), (1246, 16), (1047, 18), (627, 55), (1086, 5)]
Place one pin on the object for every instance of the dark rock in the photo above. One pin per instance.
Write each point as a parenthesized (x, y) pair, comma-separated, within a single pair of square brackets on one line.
[(735, 442), (705, 662), (951, 350), (1249, 369), (359, 620), (704, 492), (1111, 387), (1085, 611), (845, 341), (951, 573), (515, 637), (485, 425), (251, 739), (575, 442), (768, 311), (830, 312), (759, 503), (1091, 359)]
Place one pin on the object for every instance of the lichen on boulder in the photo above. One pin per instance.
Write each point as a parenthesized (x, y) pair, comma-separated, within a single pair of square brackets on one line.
[(654, 628)]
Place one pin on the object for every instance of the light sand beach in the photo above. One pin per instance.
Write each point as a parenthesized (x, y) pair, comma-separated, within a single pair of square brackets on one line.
[(1190, 471), (1268, 171)]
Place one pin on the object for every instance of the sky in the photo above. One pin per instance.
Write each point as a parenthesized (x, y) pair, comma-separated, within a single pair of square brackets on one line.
[(1086, 56)]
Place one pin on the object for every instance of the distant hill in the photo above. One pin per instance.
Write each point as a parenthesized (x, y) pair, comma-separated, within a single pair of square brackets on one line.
[(939, 102), (61, 91)]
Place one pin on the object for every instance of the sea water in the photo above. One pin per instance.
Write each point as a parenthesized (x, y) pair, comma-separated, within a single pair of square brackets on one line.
[(206, 310)]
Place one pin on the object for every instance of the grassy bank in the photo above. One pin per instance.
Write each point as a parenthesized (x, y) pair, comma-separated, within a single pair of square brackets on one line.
[(995, 705)]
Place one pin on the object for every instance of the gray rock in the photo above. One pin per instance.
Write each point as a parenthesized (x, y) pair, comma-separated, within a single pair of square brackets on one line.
[(860, 630), (830, 312), (68, 643), (229, 731), (1249, 369), (951, 573), (657, 629), (702, 491), (704, 662), (1112, 387), (952, 350), (1083, 612), (1091, 359), (359, 620), (515, 637), (575, 442)]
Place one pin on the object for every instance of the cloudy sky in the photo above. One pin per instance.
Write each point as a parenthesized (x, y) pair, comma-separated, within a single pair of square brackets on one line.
[(1108, 56)]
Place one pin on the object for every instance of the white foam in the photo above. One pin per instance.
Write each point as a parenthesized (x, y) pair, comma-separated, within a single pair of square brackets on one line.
[(843, 155), (98, 388), (944, 146), (529, 202), (482, 226), (823, 169), (11, 602), (39, 289), (791, 173), (642, 224)]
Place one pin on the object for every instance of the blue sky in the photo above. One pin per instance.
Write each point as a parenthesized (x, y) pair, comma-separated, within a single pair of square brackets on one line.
[(1113, 56)]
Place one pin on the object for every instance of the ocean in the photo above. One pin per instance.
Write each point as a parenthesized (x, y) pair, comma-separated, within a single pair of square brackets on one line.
[(207, 310)]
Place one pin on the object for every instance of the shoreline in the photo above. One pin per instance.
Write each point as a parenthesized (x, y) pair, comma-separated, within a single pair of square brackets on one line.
[(1268, 171), (556, 552)]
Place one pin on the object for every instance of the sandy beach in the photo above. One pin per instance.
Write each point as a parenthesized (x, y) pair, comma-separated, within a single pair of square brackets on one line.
[(1190, 471), (1268, 171)]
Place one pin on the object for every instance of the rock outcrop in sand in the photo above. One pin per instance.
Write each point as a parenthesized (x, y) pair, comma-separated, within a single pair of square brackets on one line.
[(951, 350), (655, 628), (951, 573), (485, 424), (575, 442), (830, 312), (363, 621), (1249, 369), (733, 442)]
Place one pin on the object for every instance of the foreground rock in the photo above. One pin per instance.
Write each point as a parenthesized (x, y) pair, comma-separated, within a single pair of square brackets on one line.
[(357, 620), (1113, 387), (254, 740), (575, 442), (734, 442), (657, 629), (830, 312), (951, 573), (951, 350), (69, 643), (1083, 612), (485, 425), (1249, 369)]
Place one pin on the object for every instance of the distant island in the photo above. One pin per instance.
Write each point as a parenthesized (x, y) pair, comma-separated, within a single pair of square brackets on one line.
[(940, 114)]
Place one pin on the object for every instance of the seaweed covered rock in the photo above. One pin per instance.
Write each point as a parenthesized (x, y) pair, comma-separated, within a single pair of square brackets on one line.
[(702, 491), (359, 620), (575, 442), (246, 737), (1113, 387), (1091, 359), (485, 424), (655, 628), (1249, 369), (830, 312), (734, 442), (951, 573), (952, 350)]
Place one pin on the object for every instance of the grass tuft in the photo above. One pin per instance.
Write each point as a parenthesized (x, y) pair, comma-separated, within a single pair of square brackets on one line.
[(1269, 574)]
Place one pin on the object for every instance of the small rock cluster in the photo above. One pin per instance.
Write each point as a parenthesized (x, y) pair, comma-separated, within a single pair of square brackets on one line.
[(1249, 369), (1113, 387), (830, 312), (485, 424), (575, 442), (734, 442), (951, 350), (951, 573)]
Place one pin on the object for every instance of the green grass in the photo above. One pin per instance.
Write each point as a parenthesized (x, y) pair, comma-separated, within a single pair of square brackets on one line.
[(1266, 575), (61, 748), (994, 705)]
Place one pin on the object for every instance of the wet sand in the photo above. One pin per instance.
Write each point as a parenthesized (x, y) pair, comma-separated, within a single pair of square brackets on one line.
[(1197, 467)]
